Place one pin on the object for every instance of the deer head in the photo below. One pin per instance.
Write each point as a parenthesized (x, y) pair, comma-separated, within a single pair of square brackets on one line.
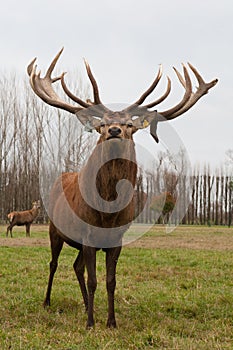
[(36, 204), (118, 124)]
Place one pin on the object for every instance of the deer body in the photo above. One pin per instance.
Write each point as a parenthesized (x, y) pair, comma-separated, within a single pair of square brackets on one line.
[(21, 218), (88, 239), (89, 219)]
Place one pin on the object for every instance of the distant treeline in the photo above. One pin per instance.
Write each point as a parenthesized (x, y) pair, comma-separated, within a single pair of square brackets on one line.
[(209, 200)]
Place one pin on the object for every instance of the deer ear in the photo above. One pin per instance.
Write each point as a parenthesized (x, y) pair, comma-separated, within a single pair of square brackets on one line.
[(90, 123), (153, 130), (91, 117), (143, 120)]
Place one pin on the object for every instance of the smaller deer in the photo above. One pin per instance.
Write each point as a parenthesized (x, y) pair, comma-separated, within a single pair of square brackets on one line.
[(20, 218)]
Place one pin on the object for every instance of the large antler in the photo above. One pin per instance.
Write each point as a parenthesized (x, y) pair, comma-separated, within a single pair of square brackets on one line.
[(147, 116), (202, 89), (189, 98), (44, 89)]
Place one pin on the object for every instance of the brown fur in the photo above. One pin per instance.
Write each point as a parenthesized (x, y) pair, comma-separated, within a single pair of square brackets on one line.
[(21, 218)]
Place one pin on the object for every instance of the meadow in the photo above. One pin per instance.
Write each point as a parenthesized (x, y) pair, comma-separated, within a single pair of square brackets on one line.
[(174, 291)]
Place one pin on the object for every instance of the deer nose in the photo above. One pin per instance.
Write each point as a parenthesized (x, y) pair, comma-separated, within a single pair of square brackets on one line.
[(114, 131)]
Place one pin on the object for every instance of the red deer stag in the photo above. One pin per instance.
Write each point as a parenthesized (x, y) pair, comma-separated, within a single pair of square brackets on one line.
[(89, 222), (20, 218)]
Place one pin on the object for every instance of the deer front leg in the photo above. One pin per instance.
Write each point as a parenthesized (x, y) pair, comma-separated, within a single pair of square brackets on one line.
[(28, 230), (112, 255), (89, 254), (56, 247)]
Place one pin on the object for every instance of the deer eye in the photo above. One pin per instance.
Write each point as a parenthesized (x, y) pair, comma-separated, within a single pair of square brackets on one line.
[(130, 124), (102, 124)]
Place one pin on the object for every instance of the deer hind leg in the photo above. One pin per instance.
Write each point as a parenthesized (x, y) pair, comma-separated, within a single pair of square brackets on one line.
[(112, 255), (79, 267), (56, 247), (9, 228)]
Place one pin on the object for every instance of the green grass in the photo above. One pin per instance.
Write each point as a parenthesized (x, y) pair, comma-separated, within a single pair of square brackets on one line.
[(165, 299)]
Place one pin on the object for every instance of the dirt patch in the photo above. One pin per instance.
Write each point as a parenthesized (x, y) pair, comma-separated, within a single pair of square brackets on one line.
[(173, 242), (39, 236), (184, 237), (24, 242), (189, 237)]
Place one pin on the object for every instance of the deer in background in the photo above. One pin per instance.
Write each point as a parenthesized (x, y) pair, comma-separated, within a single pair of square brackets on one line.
[(21, 218), (87, 226)]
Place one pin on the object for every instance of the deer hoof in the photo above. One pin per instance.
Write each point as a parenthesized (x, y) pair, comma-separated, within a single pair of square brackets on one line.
[(90, 325), (111, 324), (46, 303)]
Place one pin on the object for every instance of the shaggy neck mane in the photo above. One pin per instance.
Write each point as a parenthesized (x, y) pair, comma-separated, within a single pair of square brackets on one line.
[(111, 173), (111, 162), (115, 160)]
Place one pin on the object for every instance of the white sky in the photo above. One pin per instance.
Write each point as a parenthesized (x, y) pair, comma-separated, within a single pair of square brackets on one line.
[(124, 41)]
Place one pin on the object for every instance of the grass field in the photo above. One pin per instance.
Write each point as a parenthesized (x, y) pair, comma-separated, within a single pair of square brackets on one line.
[(173, 292)]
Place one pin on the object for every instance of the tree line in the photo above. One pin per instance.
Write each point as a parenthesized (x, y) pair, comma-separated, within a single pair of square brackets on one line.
[(209, 200), (36, 140)]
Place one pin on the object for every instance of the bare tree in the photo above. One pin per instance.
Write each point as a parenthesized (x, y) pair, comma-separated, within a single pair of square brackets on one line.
[(230, 189)]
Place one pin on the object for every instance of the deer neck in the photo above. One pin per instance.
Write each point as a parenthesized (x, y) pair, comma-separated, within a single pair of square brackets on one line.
[(110, 162), (34, 211)]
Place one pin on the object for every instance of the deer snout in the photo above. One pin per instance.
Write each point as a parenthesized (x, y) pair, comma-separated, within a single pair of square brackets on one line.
[(114, 131)]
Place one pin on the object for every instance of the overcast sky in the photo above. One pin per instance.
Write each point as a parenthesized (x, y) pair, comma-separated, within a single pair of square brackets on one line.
[(125, 41)]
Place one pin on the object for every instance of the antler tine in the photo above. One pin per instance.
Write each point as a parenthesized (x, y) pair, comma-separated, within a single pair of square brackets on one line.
[(168, 114), (52, 66), (79, 101), (151, 88), (72, 96), (202, 89), (94, 84), (163, 97), (205, 86), (30, 66), (181, 79)]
